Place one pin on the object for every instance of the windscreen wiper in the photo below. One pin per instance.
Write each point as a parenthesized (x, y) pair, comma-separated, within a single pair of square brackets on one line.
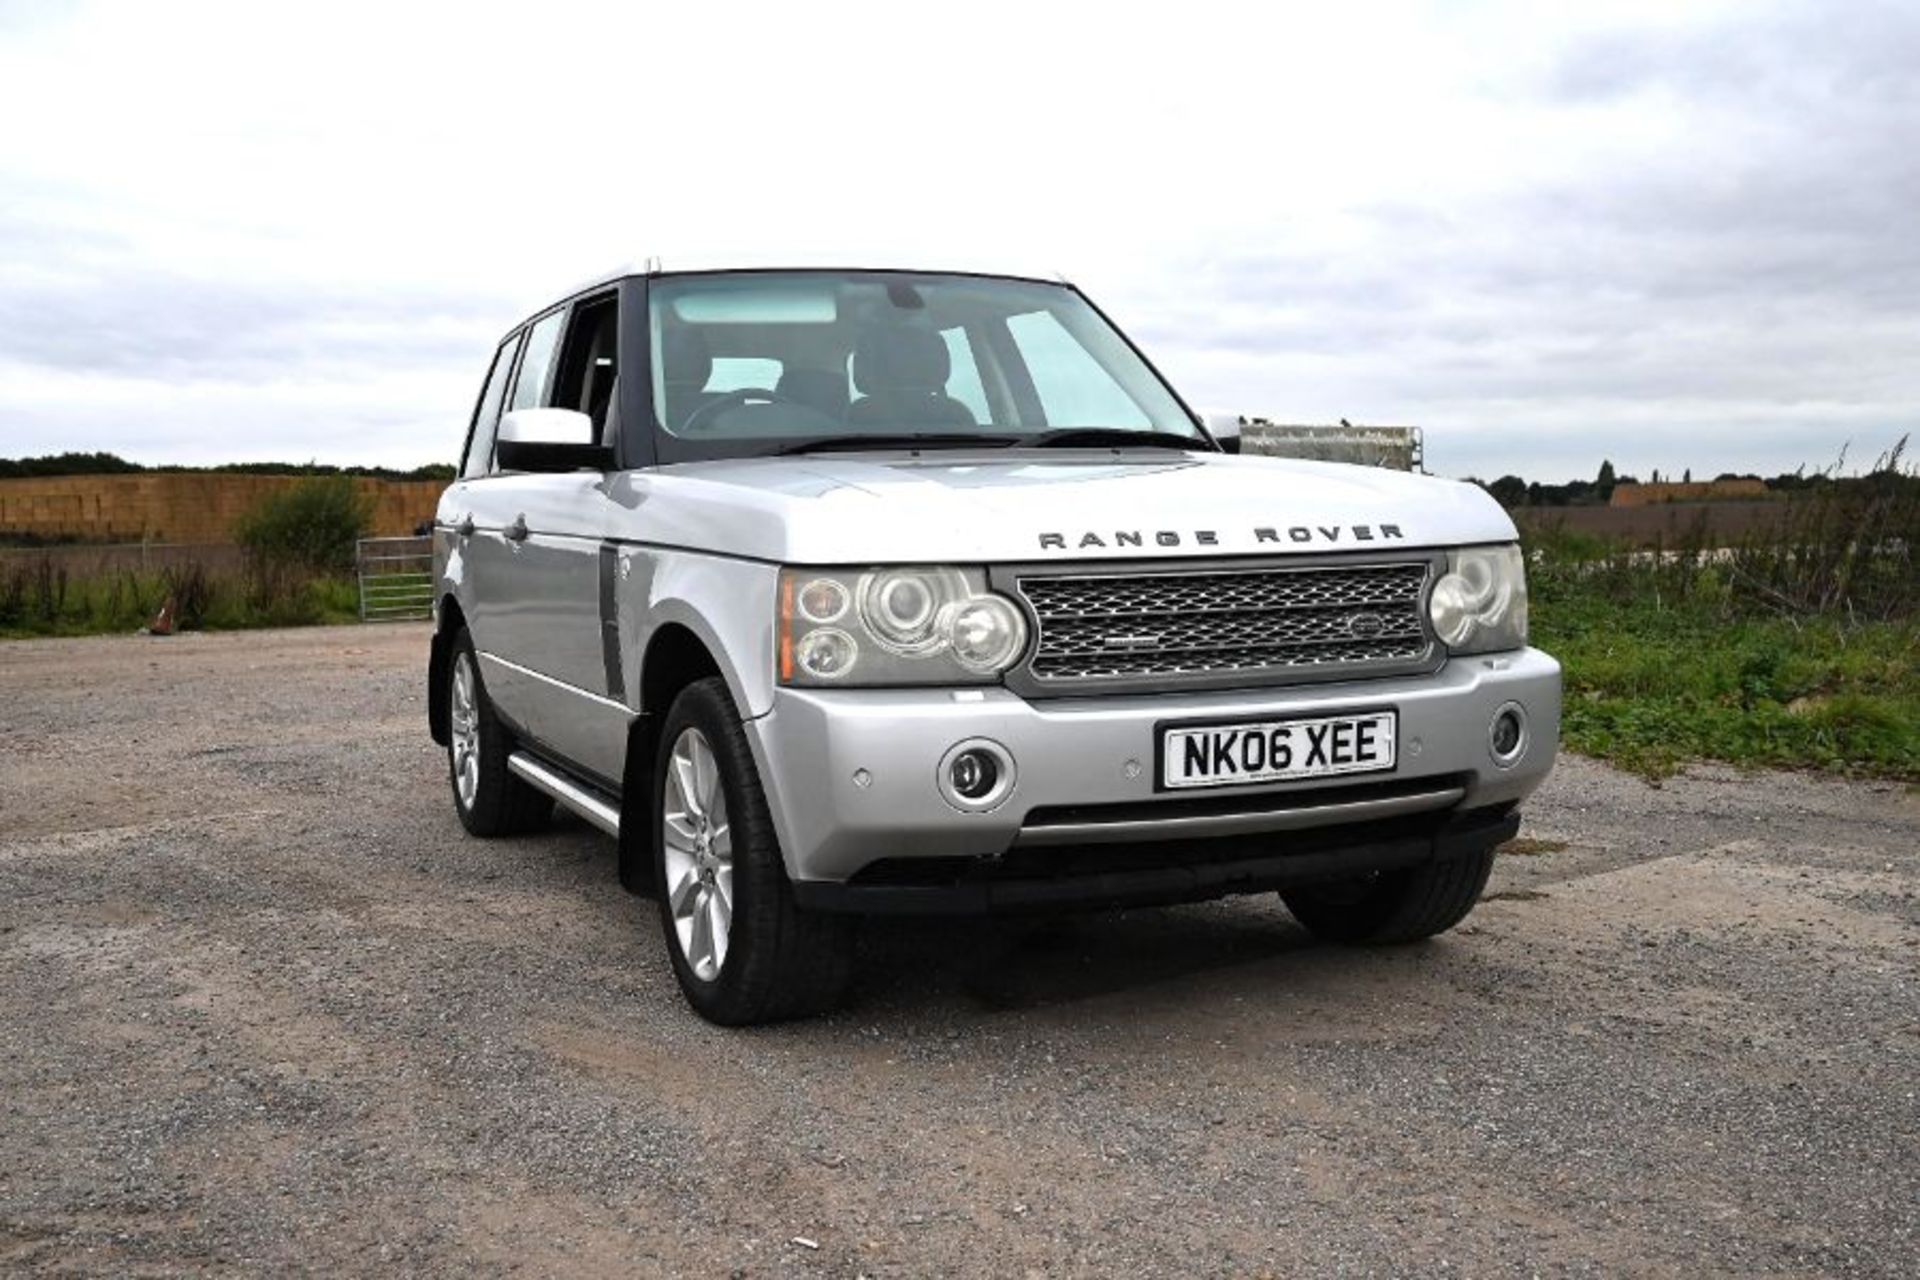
[(897, 440), (1116, 437)]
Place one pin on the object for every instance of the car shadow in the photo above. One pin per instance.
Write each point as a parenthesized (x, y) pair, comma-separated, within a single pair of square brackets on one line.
[(907, 966), (1005, 964)]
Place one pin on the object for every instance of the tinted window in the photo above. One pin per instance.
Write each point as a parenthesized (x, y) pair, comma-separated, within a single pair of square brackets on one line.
[(486, 417), (874, 352), (587, 370), (1074, 391), (536, 361), (736, 373), (963, 383)]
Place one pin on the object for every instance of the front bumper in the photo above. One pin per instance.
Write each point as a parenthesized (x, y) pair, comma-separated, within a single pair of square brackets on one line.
[(1183, 871), (851, 775)]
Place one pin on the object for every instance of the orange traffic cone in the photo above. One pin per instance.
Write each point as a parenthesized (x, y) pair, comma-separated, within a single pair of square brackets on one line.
[(162, 624)]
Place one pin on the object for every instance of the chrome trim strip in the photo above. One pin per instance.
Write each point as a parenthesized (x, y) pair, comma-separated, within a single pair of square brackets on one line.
[(566, 791), (562, 685), (1238, 824)]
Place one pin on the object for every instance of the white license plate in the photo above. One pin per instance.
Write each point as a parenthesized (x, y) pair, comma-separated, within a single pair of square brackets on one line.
[(1219, 755)]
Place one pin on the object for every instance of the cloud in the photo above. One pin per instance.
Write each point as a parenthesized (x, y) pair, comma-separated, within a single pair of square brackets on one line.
[(1737, 287), (1676, 237)]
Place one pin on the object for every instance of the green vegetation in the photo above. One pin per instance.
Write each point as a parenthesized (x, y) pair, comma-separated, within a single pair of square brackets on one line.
[(1655, 683), (297, 570), (313, 525), (1799, 647), (40, 598)]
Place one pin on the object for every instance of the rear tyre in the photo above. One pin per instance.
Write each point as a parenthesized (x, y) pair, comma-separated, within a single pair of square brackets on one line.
[(1392, 906), (743, 951), (490, 800)]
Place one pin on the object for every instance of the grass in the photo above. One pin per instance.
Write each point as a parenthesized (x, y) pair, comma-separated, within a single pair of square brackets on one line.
[(38, 598), (1798, 646), (1653, 684), (298, 570)]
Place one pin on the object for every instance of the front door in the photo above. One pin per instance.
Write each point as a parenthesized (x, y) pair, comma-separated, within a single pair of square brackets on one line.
[(544, 568)]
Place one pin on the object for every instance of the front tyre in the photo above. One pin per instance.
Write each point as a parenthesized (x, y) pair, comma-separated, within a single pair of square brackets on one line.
[(490, 800), (742, 950), (1395, 906)]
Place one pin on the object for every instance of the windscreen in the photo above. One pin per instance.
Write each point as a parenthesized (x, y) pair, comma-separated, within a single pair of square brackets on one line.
[(786, 356)]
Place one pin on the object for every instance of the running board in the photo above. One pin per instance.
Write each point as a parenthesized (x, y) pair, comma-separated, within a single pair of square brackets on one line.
[(587, 804)]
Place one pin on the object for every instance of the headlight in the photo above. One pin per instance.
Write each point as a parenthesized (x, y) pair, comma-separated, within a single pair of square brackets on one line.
[(904, 609), (1480, 603), (895, 626)]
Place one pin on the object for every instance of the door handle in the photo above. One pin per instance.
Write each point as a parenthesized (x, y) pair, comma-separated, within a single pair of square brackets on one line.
[(465, 527), (517, 531)]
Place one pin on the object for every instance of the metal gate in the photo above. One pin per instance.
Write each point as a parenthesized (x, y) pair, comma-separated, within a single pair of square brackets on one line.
[(396, 578)]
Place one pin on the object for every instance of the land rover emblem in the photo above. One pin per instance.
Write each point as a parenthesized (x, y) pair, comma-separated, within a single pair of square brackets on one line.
[(1364, 626)]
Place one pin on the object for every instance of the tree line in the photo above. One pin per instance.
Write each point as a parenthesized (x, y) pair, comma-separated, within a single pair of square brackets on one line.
[(112, 464), (1514, 491)]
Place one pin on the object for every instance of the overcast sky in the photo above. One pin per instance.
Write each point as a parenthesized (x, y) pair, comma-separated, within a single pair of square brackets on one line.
[(1669, 235)]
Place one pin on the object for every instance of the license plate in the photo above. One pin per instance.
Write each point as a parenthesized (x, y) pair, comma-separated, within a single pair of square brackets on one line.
[(1219, 755)]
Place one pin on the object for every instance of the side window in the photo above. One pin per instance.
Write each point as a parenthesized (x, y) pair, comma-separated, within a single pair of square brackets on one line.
[(963, 383), (479, 455), (1074, 390), (587, 370), (535, 363)]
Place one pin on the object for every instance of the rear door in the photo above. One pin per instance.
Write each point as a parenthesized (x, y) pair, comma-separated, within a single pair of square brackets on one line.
[(470, 509), (494, 501)]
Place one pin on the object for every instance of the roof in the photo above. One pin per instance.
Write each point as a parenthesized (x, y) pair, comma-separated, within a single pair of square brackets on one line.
[(813, 260)]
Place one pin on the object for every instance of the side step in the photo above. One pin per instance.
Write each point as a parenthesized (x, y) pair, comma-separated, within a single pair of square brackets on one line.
[(588, 804)]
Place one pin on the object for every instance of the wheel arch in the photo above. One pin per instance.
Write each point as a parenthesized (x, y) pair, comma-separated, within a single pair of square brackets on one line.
[(675, 657), (448, 621)]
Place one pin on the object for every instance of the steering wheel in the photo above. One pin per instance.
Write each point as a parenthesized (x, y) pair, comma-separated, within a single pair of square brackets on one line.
[(700, 417)]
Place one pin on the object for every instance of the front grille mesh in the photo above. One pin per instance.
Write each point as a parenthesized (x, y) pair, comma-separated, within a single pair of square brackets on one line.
[(1277, 622)]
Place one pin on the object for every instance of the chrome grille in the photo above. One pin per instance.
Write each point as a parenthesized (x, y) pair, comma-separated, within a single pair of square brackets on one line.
[(1275, 622)]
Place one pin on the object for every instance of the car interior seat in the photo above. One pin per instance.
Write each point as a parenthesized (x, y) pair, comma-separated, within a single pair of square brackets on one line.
[(901, 376), (822, 389)]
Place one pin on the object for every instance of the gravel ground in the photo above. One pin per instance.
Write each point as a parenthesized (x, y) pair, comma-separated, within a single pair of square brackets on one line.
[(263, 1006)]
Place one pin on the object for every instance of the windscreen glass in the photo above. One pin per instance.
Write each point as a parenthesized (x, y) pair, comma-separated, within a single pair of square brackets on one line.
[(785, 356)]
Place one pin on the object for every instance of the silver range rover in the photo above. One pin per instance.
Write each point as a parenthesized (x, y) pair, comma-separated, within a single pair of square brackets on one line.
[(839, 592)]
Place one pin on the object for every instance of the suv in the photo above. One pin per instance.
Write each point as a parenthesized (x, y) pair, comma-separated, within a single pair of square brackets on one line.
[(835, 592)]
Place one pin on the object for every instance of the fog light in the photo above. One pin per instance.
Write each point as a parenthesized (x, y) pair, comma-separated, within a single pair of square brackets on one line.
[(1507, 735), (976, 776)]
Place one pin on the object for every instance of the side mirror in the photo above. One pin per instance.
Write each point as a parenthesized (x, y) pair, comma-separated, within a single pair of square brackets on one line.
[(550, 440), (1225, 429)]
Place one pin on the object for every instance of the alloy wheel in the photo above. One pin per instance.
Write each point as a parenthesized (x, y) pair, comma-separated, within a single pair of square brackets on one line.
[(464, 741), (697, 844)]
